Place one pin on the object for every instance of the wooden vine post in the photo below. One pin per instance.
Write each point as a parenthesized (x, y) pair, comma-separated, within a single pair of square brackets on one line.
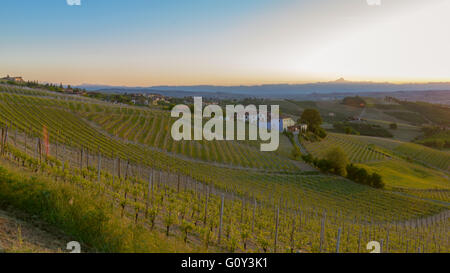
[(338, 240), (5, 142), (359, 240), (149, 193), (99, 166), (253, 218), (118, 166), (221, 217), (25, 137), (322, 232), (276, 230), (206, 205), (39, 147), (1, 148), (87, 157), (81, 158)]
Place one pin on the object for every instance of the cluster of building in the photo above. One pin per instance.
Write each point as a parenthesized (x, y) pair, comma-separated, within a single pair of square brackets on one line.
[(298, 128), (355, 119), (13, 79), (285, 123), (147, 99)]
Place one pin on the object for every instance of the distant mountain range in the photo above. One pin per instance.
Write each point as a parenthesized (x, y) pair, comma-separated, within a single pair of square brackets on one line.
[(339, 86)]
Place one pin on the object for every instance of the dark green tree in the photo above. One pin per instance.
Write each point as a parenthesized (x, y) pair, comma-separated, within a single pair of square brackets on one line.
[(338, 160), (311, 117), (376, 181)]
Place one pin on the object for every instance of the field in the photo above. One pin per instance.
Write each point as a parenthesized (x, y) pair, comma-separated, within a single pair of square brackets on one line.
[(425, 155), (178, 201), (124, 155), (440, 140), (357, 150), (403, 166), (401, 173), (153, 129)]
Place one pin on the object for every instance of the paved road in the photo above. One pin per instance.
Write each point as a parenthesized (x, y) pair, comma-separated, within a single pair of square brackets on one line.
[(363, 112), (302, 149)]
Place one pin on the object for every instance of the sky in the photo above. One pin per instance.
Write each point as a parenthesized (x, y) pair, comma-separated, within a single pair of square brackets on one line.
[(224, 42)]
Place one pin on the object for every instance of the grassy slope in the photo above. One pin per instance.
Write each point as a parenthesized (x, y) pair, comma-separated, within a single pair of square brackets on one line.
[(410, 151), (400, 173), (81, 215), (424, 155), (396, 172)]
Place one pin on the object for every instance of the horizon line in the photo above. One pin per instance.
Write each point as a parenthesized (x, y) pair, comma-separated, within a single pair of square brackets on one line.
[(338, 81)]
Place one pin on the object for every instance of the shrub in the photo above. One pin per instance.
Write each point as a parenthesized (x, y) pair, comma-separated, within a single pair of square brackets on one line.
[(296, 153), (308, 158), (362, 176), (319, 131), (338, 160), (350, 131), (376, 181), (324, 165)]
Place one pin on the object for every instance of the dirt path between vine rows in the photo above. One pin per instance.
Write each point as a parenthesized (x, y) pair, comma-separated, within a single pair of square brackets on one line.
[(28, 236)]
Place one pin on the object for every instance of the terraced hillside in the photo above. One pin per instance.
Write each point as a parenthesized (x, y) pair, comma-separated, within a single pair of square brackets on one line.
[(65, 125), (425, 155), (357, 146), (358, 151), (152, 128), (404, 167)]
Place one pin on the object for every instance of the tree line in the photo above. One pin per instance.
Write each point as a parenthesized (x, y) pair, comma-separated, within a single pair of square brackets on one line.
[(336, 162)]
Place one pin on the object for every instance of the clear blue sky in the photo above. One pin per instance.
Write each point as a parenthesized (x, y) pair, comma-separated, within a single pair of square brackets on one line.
[(24, 19), (150, 42)]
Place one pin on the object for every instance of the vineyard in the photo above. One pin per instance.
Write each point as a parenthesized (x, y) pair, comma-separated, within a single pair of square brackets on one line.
[(125, 155), (357, 150), (405, 167), (175, 203), (432, 157), (362, 149), (152, 128)]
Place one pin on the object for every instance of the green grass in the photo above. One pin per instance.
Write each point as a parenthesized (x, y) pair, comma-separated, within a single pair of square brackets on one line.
[(399, 173), (79, 213)]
